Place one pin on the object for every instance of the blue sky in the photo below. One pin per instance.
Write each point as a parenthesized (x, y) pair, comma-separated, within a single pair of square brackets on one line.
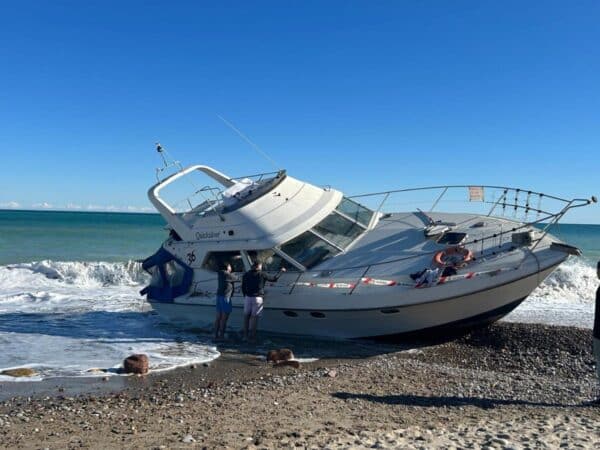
[(363, 96)]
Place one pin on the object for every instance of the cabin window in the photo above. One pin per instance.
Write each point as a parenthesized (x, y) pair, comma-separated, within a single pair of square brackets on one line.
[(452, 238), (338, 230), (215, 261), (270, 260), (355, 211), (174, 273), (309, 249)]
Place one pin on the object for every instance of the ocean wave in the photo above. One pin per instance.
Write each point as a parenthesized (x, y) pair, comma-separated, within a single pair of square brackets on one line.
[(574, 281), (100, 273)]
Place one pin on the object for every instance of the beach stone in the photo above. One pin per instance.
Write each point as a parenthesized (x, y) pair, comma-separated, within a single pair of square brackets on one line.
[(136, 364), (20, 372), (283, 354), (188, 439)]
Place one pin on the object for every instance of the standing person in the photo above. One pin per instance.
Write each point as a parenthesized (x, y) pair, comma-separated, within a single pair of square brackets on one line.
[(596, 332), (224, 293), (253, 288)]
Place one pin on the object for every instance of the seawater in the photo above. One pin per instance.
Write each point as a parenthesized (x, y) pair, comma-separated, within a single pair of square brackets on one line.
[(567, 296), (70, 281), (69, 295)]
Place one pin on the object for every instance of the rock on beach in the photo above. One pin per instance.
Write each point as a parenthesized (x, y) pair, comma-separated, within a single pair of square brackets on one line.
[(137, 364), (20, 372)]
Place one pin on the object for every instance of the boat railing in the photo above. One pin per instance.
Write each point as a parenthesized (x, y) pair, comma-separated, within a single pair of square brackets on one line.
[(524, 208), (516, 204), (210, 199), (259, 177)]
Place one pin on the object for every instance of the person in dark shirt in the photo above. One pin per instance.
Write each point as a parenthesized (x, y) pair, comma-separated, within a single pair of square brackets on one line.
[(253, 288), (224, 293), (596, 330)]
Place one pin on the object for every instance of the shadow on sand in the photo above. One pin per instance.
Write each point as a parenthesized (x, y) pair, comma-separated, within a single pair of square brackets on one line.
[(448, 401)]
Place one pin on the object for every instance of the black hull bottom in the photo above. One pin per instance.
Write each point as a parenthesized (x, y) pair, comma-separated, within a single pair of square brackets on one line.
[(452, 330)]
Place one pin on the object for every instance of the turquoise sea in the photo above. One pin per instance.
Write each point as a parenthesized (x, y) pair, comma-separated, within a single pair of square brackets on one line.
[(27, 236), (69, 295), (69, 292)]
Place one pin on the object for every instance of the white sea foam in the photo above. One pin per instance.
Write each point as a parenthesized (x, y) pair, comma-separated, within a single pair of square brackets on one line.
[(64, 318), (129, 273), (566, 297), (574, 281)]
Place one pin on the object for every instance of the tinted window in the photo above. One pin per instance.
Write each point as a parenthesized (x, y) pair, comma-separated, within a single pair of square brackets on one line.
[(338, 229), (308, 249), (355, 211), (215, 261), (452, 238), (270, 260)]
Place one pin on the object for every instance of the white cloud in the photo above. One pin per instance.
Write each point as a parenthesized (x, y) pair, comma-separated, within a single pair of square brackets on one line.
[(139, 209), (114, 208), (43, 205), (10, 205), (76, 207)]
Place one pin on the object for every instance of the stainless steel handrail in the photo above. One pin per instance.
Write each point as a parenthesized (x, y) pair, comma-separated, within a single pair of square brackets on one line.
[(454, 186)]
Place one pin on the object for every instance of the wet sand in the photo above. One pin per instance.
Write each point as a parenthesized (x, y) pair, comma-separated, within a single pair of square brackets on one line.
[(507, 386)]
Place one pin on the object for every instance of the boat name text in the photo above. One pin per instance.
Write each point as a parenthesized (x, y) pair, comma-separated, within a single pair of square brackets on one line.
[(207, 235)]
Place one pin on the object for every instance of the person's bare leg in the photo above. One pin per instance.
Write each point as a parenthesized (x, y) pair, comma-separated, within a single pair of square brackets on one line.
[(253, 324), (246, 325), (223, 325), (217, 324)]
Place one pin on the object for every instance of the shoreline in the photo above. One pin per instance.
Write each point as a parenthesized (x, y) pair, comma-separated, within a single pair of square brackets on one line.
[(517, 384)]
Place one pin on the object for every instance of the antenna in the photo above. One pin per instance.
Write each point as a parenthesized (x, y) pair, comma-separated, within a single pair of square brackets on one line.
[(249, 142), (160, 150), (165, 159)]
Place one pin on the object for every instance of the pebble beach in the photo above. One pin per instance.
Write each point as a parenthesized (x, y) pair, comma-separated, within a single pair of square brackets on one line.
[(505, 386)]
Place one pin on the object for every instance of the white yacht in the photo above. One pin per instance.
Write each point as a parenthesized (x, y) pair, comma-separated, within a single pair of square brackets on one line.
[(355, 266)]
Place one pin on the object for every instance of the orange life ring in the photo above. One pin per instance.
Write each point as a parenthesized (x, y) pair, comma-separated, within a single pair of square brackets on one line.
[(453, 256)]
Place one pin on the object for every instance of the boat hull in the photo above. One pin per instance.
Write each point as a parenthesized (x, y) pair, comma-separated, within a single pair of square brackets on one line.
[(480, 307)]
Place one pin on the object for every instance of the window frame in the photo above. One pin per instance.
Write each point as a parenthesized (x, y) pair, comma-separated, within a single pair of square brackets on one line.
[(318, 236), (373, 213), (312, 230), (279, 253), (210, 254)]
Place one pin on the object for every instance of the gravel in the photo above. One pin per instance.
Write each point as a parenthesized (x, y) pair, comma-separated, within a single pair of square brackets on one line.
[(506, 386)]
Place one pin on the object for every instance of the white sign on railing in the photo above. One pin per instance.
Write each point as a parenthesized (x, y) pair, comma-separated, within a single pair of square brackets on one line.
[(476, 194)]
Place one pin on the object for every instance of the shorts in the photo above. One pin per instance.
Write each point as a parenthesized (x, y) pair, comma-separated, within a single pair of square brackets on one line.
[(253, 306), (224, 305)]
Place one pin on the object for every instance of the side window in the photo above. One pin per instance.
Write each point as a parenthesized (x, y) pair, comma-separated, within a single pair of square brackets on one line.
[(271, 261), (355, 211), (214, 261), (174, 273), (308, 249)]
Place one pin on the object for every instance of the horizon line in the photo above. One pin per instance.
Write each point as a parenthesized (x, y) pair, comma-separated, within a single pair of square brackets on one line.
[(50, 210)]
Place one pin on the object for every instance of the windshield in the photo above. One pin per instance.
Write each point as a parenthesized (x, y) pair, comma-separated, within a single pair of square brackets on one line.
[(338, 230), (355, 211), (309, 249)]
